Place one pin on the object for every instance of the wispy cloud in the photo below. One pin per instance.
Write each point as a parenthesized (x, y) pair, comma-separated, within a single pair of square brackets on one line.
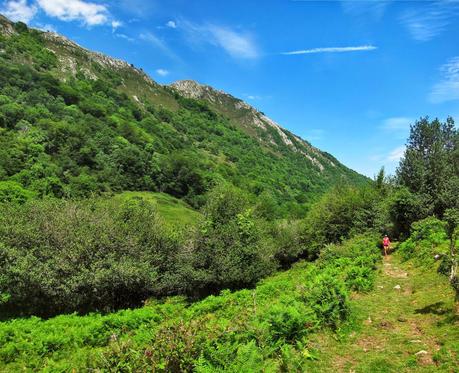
[(447, 89), (158, 43), (397, 127), (238, 44), (162, 72), (234, 43), (171, 24), (19, 10), (426, 21), (154, 40), (365, 9), (331, 50), (124, 36), (140, 9), (396, 154), (314, 134)]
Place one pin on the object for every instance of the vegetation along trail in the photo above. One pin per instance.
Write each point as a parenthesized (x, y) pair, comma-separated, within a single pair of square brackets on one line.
[(407, 323), (176, 228)]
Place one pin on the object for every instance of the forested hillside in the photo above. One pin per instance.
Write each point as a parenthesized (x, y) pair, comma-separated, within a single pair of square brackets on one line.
[(76, 123), (177, 229)]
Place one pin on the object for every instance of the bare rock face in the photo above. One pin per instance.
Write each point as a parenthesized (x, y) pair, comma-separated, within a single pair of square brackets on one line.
[(6, 27), (71, 60), (251, 117)]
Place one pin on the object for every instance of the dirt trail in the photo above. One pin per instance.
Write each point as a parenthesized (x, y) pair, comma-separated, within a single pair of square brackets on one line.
[(406, 324)]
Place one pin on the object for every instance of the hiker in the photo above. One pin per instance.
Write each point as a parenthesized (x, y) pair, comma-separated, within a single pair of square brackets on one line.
[(386, 244)]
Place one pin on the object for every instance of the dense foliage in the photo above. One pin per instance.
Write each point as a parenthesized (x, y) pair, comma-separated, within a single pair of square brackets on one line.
[(72, 239), (430, 166), (99, 254), (248, 330), (71, 135)]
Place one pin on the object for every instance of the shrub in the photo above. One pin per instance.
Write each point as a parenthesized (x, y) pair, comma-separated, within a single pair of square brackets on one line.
[(354, 261), (229, 250), (13, 192), (428, 237), (337, 216), (288, 247), (327, 296), (360, 278), (61, 256), (289, 320)]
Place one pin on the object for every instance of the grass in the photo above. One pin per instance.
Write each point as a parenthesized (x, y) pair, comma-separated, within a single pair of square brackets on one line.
[(411, 329), (174, 211), (407, 323)]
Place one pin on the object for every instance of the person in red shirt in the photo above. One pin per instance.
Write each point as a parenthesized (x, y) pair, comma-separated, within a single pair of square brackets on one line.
[(386, 244)]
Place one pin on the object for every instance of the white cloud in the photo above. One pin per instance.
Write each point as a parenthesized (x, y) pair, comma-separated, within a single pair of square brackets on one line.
[(365, 9), (314, 134), (447, 89), (396, 154), (162, 72), (19, 10), (397, 127), (153, 39), (237, 44), (45, 27), (425, 21), (116, 24), (171, 24), (332, 50), (124, 36), (397, 123), (90, 14)]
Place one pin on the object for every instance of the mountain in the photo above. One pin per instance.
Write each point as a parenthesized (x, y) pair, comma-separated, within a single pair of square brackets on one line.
[(76, 122)]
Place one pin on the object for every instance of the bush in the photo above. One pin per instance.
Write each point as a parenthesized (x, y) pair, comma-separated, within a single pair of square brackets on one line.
[(13, 192), (327, 296), (337, 216), (405, 208), (288, 247), (289, 320), (354, 261), (63, 256), (229, 250), (428, 237)]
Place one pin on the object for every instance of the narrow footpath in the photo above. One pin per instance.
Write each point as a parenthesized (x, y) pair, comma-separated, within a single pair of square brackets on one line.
[(408, 323)]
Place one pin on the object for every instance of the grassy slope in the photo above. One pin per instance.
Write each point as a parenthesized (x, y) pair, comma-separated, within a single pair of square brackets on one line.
[(392, 325), (36, 344), (388, 327), (174, 211)]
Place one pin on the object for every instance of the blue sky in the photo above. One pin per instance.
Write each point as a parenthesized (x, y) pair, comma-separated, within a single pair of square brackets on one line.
[(347, 76)]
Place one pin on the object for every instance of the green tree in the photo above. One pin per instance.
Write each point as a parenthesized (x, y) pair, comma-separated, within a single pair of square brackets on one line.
[(428, 167), (229, 250)]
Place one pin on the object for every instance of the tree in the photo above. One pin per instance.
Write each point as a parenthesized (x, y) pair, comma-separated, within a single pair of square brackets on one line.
[(230, 251), (380, 180), (428, 167)]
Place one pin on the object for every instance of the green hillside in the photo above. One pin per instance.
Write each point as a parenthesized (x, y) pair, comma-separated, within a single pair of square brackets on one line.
[(150, 228), (174, 211), (263, 329), (75, 123)]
